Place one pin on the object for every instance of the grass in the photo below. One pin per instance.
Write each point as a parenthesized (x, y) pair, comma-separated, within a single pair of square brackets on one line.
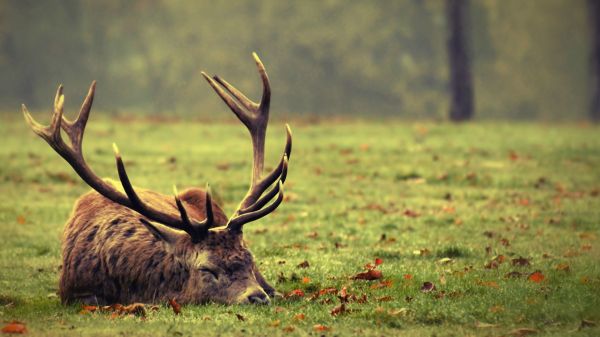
[(410, 194)]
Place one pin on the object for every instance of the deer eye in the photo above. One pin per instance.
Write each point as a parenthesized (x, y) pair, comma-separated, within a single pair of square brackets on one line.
[(211, 272)]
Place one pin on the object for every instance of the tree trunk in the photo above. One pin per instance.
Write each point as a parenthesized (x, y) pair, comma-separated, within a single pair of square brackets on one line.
[(461, 87), (594, 12)]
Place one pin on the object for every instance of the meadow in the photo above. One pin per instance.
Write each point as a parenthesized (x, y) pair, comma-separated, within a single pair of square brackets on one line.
[(482, 229)]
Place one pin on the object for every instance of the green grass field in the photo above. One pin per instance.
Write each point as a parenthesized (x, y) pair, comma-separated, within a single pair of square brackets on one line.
[(436, 202)]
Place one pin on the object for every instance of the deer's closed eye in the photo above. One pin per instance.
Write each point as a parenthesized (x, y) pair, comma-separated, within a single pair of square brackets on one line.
[(211, 272)]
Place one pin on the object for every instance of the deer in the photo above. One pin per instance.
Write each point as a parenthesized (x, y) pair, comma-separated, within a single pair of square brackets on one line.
[(123, 244)]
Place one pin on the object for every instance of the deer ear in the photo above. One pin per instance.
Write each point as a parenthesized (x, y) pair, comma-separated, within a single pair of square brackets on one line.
[(163, 232)]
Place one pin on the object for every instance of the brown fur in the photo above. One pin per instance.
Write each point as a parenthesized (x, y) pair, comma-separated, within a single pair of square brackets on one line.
[(109, 256)]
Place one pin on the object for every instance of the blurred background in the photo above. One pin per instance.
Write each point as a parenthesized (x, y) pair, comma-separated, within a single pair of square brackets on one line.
[(412, 59)]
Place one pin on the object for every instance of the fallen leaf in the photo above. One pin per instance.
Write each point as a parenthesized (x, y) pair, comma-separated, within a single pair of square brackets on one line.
[(295, 293), (89, 308), (175, 306), (482, 325), (320, 327), (327, 291), (445, 260), (274, 324), (382, 284), (496, 308), (489, 234), (521, 261), (427, 287), (586, 324), (304, 264), (523, 332), (343, 295), (369, 275), (21, 220), (385, 299), (491, 265), (240, 317), (421, 252), (289, 328), (410, 213), (306, 280), (513, 274), (407, 276), (378, 261), (563, 267), (491, 284), (536, 277), (312, 235), (340, 309), (15, 327), (398, 312), (137, 309), (223, 166), (299, 317)]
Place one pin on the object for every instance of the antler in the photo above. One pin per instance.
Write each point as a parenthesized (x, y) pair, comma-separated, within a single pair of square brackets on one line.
[(74, 156), (255, 116)]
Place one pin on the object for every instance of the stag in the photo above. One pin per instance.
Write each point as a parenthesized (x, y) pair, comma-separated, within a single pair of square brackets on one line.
[(125, 245)]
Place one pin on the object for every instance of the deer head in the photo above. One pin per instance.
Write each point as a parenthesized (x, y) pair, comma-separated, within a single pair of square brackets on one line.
[(150, 247)]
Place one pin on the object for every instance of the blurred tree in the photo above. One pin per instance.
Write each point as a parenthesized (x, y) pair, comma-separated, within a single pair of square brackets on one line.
[(461, 85), (594, 12)]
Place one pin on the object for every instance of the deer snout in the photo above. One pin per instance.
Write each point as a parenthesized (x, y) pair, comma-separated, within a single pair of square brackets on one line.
[(255, 296)]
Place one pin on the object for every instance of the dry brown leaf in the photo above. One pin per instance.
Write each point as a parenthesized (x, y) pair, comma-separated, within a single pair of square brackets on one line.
[(340, 309), (536, 277), (303, 264), (427, 287), (521, 261), (523, 332), (320, 327), (15, 327), (369, 275), (289, 328), (175, 306)]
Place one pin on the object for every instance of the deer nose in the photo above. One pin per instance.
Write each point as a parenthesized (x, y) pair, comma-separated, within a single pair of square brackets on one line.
[(259, 297)]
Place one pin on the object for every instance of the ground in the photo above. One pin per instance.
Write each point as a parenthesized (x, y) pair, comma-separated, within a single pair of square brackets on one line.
[(502, 219)]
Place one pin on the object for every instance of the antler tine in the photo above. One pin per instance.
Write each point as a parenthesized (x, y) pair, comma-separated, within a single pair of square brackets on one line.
[(182, 211), (265, 102), (75, 129), (210, 217), (231, 103), (245, 101), (183, 223), (50, 133), (265, 198), (238, 222)]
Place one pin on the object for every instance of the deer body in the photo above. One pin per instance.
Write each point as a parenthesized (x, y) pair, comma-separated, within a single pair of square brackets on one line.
[(135, 245)]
